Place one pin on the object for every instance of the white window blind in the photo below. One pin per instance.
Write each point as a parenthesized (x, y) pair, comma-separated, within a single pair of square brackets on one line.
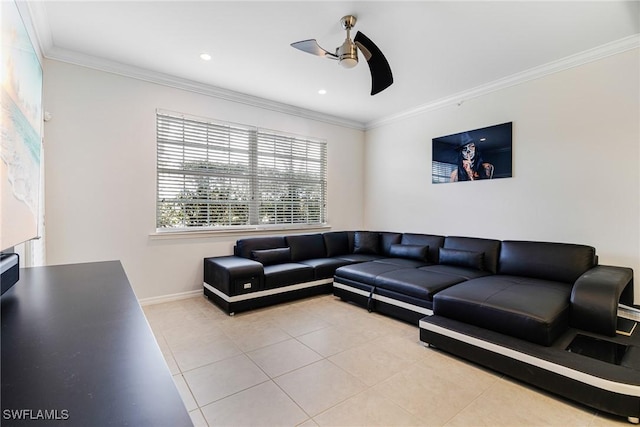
[(213, 174), (441, 172)]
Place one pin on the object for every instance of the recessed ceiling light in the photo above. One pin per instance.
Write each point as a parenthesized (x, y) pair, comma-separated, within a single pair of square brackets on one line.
[(483, 139), (322, 91), (205, 57)]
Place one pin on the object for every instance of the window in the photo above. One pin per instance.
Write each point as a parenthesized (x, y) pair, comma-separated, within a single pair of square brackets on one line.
[(214, 174), (441, 172)]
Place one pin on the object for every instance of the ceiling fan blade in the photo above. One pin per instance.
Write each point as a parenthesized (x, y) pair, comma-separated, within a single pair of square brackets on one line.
[(381, 77), (312, 47)]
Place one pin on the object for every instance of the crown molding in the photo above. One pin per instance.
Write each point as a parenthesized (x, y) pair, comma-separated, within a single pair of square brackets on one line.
[(613, 48), (113, 67), (38, 17), (39, 23), (618, 46), (24, 9)]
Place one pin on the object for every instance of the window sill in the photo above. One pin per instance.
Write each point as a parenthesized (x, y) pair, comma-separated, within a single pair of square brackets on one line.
[(241, 231)]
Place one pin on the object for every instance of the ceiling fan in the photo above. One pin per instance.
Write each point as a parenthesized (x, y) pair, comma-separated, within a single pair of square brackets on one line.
[(347, 55)]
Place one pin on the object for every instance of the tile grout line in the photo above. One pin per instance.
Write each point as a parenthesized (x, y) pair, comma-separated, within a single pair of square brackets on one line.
[(634, 314)]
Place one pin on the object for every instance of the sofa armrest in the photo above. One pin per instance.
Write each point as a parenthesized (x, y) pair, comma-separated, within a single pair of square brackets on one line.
[(595, 296), (233, 275)]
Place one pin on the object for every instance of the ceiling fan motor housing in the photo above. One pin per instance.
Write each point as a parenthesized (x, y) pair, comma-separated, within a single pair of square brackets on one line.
[(348, 54)]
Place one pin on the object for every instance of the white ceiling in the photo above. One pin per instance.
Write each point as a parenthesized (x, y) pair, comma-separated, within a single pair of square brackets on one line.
[(435, 49)]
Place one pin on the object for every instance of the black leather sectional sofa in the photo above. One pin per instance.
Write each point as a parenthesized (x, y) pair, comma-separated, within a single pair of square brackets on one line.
[(542, 312)]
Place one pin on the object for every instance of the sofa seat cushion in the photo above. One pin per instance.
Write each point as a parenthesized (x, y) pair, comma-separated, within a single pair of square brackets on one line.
[(289, 273), (416, 283), (403, 262), (465, 273), (535, 310), (325, 268), (365, 272), (360, 257)]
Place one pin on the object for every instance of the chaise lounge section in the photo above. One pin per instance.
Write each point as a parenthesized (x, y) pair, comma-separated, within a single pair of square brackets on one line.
[(548, 317)]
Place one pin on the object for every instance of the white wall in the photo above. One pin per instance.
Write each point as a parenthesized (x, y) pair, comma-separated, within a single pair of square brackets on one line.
[(576, 160), (100, 154), (576, 150)]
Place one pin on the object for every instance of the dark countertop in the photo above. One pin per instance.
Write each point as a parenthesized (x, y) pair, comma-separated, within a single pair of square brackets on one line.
[(78, 351)]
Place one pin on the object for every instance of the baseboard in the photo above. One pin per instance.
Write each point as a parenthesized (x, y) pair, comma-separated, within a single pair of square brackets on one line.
[(169, 298)]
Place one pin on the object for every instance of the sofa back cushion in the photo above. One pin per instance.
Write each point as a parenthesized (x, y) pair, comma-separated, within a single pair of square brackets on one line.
[(434, 242), (366, 242), (308, 246), (244, 247), (271, 256), (560, 262), (387, 239), (336, 243), (374, 242), (417, 252), (489, 247), (459, 258)]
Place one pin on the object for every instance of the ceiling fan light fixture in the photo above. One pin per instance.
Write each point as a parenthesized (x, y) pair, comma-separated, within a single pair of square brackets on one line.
[(349, 62)]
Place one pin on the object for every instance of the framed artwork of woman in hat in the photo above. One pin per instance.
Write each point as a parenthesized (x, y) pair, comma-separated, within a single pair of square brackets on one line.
[(474, 155), (471, 165)]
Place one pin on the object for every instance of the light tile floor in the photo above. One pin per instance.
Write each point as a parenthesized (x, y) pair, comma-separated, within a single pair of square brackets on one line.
[(324, 362)]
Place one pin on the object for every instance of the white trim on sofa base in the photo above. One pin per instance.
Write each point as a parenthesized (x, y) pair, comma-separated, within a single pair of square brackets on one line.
[(583, 377), (386, 300), (266, 292)]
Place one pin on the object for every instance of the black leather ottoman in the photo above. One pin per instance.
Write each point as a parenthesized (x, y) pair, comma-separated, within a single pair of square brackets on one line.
[(417, 283)]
